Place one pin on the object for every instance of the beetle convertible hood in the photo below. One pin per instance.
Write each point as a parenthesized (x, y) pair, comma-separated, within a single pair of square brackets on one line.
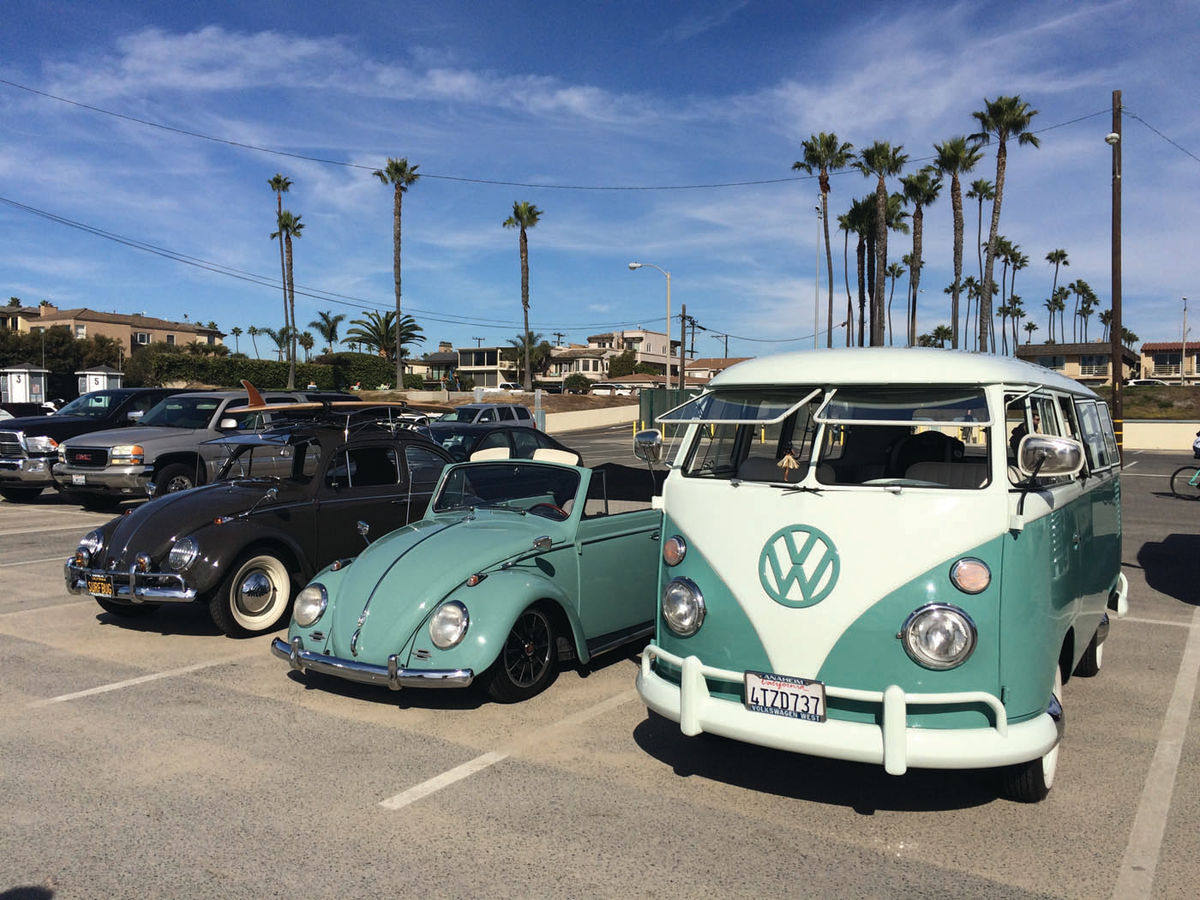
[(396, 583)]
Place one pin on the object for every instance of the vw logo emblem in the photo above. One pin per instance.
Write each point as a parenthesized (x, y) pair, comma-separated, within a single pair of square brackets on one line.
[(798, 566)]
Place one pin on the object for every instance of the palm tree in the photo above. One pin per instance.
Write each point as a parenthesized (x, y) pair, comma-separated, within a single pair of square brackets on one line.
[(1030, 328), (280, 185), (525, 216), (290, 227), (1002, 312), (1016, 312), (971, 286), (306, 341), (861, 220), (236, 332), (824, 153), (894, 271), (253, 332), (941, 334), (1056, 304), (882, 160), (530, 347), (920, 189), (401, 176), (1106, 321), (846, 225), (378, 333), (1056, 258), (956, 157), (281, 337), (1003, 118), (326, 325)]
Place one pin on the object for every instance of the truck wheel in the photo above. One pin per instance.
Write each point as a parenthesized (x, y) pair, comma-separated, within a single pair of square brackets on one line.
[(20, 495), (528, 661), (1030, 782), (175, 477), (254, 597), (126, 610)]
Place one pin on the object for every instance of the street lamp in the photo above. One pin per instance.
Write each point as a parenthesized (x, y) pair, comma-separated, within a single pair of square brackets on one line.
[(667, 367)]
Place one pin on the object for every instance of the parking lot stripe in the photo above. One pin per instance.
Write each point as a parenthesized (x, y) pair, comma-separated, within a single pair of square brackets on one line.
[(29, 562), (16, 531), (479, 763), (1136, 877), (118, 685)]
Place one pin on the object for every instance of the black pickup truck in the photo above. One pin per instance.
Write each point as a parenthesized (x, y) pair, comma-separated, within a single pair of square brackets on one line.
[(29, 445)]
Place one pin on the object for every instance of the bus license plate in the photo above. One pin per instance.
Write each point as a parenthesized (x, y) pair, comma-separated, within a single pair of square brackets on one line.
[(785, 695), (100, 585)]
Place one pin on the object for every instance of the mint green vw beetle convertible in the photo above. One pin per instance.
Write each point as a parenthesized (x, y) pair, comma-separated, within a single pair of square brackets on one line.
[(517, 566)]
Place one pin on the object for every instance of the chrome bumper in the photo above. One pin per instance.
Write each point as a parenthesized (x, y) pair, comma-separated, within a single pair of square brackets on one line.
[(133, 586), (109, 479), (890, 743), (392, 675), (26, 472)]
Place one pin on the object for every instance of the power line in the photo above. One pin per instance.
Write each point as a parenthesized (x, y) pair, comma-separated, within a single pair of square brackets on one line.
[(272, 282)]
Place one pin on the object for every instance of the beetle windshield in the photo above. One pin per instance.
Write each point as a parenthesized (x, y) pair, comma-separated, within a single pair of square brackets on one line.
[(506, 484)]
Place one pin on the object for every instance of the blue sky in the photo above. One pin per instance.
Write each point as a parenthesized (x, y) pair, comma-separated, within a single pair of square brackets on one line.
[(523, 101)]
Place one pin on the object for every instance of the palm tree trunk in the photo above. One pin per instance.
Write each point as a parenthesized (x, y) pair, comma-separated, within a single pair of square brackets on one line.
[(914, 271), (282, 265), (828, 268), (291, 332), (880, 263), (849, 300), (985, 301), (396, 211), (956, 205), (862, 253), (527, 379)]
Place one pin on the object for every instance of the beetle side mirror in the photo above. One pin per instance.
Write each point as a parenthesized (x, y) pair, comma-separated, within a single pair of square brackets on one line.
[(364, 529)]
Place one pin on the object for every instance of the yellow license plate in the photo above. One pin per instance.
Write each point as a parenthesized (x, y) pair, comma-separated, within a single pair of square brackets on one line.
[(100, 585)]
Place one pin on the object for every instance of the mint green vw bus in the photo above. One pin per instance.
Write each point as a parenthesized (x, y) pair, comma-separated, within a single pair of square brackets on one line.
[(891, 556)]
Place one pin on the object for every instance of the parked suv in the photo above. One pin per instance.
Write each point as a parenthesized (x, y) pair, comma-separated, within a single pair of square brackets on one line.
[(483, 413), (165, 449), (29, 445)]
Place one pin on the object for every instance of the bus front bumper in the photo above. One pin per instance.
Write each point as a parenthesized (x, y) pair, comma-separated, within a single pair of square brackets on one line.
[(890, 743)]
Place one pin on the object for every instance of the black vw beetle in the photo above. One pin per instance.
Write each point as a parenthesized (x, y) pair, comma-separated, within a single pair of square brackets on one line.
[(287, 502)]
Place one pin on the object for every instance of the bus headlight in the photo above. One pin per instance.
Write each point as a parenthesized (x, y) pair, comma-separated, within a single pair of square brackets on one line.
[(938, 636), (448, 625), (683, 607), (310, 604)]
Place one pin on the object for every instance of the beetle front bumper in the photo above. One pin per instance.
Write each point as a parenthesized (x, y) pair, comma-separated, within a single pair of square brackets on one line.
[(392, 674), (132, 586), (890, 743)]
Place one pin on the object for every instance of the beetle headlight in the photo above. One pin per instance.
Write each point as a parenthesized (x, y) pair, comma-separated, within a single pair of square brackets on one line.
[(674, 550), (970, 575), (127, 455), (938, 636), (683, 607), (310, 604), (448, 625), (183, 554), (92, 542)]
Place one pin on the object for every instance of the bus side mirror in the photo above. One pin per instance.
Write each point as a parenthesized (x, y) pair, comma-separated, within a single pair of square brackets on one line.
[(647, 445), (1042, 455)]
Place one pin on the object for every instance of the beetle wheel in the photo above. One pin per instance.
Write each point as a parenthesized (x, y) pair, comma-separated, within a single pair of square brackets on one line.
[(254, 597), (1030, 782), (528, 661)]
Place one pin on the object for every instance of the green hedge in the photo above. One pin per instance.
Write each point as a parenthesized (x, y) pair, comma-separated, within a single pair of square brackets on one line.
[(336, 371)]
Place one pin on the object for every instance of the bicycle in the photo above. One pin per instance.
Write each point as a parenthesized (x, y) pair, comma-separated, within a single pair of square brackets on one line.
[(1185, 482)]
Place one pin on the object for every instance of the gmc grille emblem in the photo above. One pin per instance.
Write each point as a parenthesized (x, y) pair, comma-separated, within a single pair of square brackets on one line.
[(83, 457)]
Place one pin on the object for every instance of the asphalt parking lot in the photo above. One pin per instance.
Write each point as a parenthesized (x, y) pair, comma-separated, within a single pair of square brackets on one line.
[(158, 758)]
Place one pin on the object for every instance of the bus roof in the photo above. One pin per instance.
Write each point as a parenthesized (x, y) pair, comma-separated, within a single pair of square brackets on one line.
[(893, 365)]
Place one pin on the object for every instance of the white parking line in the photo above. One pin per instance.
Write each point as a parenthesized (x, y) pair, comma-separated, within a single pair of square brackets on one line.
[(1136, 877), (479, 763), (118, 685), (45, 530), (30, 562)]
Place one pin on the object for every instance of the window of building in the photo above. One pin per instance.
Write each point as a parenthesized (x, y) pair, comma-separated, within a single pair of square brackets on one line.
[(170, 340), (141, 337), (1052, 362), (1091, 364), (80, 331)]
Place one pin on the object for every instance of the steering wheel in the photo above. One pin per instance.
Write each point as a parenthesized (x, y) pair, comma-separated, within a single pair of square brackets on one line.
[(557, 513)]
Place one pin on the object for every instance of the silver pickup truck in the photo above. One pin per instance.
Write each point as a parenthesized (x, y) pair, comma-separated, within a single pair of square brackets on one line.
[(166, 449)]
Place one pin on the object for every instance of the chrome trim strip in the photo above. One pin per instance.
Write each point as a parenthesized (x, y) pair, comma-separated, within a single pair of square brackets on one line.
[(391, 675)]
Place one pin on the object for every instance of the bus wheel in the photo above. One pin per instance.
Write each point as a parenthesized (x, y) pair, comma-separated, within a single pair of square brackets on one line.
[(1030, 782), (1092, 659)]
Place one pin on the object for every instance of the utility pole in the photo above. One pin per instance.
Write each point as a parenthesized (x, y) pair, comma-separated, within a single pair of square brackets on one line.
[(558, 336), (478, 341), (1113, 139), (1183, 345), (683, 320)]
